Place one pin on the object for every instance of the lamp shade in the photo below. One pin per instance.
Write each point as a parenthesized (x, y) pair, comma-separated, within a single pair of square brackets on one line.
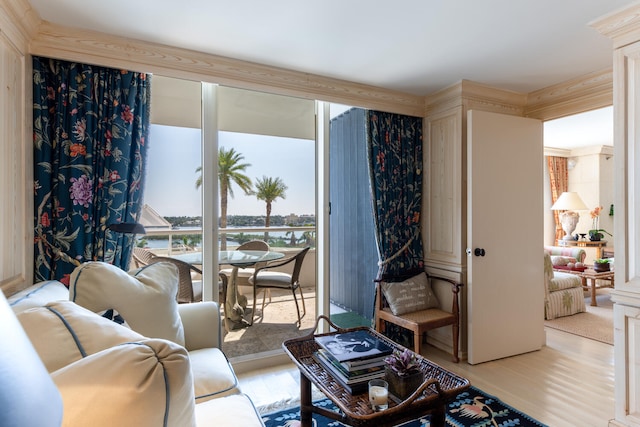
[(569, 201), (127, 228)]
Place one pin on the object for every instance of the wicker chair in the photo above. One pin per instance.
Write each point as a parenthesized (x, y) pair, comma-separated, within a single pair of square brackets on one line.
[(263, 279), (242, 279), (188, 289), (141, 256)]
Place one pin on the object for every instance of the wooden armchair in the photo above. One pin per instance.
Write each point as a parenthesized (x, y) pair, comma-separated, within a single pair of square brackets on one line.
[(423, 312)]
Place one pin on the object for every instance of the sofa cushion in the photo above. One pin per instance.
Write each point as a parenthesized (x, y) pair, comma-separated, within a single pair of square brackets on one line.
[(410, 295), (63, 332), (146, 383), (38, 295), (146, 297), (213, 375)]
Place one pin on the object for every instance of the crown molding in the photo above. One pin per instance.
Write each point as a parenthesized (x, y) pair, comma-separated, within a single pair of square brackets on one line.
[(18, 23), (557, 152), (102, 49), (585, 93), (622, 25), (475, 95)]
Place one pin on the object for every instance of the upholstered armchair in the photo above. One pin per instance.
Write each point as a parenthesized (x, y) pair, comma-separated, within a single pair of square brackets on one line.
[(563, 293)]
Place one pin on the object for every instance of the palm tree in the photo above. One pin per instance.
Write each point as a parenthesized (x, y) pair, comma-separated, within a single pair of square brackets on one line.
[(230, 170), (269, 189)]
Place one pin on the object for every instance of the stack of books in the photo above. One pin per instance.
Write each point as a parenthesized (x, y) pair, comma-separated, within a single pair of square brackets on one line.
[(352, 358)]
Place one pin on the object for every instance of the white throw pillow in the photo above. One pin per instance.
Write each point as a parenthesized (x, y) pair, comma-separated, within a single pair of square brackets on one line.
[(146, 297), (411, 295)]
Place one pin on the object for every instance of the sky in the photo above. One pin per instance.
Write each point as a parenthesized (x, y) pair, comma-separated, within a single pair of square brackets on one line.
[(171, 173)]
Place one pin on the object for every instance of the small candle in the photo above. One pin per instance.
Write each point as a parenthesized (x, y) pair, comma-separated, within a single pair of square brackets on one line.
[(378, 394)]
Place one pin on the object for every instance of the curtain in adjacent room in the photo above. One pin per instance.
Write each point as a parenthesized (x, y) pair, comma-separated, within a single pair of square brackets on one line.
[(89, 128), (395, 165), (559, 179)]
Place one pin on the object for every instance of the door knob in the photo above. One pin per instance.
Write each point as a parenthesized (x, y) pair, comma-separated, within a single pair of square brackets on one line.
[(478, 252)]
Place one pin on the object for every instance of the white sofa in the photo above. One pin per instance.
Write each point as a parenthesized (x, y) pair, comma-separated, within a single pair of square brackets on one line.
[(158, 380)]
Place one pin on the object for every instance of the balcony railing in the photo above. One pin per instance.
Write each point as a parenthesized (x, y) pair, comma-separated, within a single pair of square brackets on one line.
[(304, 235)]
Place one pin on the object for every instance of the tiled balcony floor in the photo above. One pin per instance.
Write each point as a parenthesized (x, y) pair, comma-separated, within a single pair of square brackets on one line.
[(271, 328)]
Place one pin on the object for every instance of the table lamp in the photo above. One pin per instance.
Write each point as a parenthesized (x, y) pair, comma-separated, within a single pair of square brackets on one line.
[(569, 202)]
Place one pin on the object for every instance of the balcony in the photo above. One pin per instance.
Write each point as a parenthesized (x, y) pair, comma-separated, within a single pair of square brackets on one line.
[(278, 321)]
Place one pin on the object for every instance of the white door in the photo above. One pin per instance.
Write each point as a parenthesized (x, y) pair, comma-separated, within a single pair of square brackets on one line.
[(504, 236)]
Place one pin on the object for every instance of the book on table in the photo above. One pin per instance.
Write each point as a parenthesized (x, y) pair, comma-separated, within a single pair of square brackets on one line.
[(353, 382), (358, 345), (349, 376)]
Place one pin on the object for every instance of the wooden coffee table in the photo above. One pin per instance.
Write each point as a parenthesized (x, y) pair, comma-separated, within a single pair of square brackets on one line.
[(439, 387), (592, 275)]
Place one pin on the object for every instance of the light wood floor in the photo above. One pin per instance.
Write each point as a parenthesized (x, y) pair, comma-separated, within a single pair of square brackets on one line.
[(569, 383)]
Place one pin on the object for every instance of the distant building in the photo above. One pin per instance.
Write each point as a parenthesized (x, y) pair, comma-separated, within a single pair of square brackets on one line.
[(152, 220)]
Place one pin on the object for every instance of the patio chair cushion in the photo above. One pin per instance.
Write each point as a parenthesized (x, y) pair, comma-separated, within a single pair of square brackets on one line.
[(145, 297), (63, 332), (413, 294)]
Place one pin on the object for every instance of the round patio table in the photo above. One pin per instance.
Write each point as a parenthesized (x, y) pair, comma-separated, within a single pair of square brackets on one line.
[(237, 259)]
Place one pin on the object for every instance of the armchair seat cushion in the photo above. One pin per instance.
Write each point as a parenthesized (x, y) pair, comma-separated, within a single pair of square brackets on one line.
[(564, 281), (212, 374)]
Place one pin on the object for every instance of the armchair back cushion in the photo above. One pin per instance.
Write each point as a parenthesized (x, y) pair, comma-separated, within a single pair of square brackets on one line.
[(146, 297), (63, 332)]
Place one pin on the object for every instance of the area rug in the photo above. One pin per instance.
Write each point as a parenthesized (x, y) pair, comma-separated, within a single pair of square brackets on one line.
[(472, 408), (596, 323)]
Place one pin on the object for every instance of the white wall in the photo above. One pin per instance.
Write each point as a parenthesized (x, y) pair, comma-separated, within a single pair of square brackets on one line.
[(592, 179)]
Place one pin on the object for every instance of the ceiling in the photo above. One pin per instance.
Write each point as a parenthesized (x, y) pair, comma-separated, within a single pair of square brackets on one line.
[(412, 46)]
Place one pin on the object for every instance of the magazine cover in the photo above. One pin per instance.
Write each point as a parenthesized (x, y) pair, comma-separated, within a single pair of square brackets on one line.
[(351, 345)]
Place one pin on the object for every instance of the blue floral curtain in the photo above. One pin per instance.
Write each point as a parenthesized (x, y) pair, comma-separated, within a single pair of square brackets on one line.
[(395, 164), (89, 127)]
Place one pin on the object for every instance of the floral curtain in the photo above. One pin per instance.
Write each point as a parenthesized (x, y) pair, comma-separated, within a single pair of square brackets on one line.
[(559, 179), (395, 164), (90, 126)]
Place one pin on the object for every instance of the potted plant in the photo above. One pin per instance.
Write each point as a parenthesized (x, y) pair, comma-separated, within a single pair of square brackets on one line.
[(403, 373), (595, 234), (601, 265)]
